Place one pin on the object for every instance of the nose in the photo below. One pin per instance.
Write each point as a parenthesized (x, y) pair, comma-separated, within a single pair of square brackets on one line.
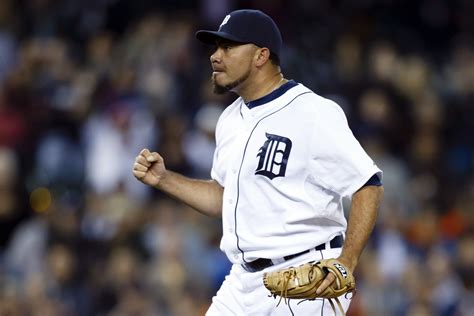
[(216, 56)]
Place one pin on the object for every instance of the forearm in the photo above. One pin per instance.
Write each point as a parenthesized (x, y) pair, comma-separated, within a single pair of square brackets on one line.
[(203, 195), (362, 217)]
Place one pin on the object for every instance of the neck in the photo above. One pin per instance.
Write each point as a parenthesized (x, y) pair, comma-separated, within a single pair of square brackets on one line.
[(261, 87)]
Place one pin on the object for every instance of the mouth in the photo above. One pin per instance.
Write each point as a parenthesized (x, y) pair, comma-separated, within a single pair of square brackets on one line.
[(216, 68)]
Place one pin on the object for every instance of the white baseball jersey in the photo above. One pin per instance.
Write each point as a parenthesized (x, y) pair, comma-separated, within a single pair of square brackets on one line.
[(285, 162)]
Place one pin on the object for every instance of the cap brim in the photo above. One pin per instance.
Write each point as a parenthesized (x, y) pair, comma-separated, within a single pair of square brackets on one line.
[(210, 37)]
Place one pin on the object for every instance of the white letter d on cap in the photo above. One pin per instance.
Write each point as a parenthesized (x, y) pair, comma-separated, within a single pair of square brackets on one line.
[(226, 19)]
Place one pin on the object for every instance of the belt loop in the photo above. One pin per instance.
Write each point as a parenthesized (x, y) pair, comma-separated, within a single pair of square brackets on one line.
[(279, 260), (327, 245)]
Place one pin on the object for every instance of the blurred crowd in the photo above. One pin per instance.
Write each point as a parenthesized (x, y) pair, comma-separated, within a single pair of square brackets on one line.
[(85, 85)]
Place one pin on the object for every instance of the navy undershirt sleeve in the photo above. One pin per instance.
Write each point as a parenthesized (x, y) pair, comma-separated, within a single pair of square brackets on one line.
[(374, 180)]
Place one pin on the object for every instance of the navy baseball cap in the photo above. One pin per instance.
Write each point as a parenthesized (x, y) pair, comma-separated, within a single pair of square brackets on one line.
[(246, 26)]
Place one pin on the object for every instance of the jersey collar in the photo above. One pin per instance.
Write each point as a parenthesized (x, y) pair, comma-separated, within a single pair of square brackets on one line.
[(272, 95)]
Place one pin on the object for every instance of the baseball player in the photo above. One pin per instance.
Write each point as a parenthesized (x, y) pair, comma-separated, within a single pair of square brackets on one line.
[(285, 158)]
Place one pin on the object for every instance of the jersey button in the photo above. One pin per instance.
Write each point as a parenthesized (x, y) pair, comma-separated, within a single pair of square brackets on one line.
[(234, 171), (231, 230), (230, 201)]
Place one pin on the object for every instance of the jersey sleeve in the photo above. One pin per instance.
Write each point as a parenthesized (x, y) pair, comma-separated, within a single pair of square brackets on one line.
[(216, 172), (339, 163), (215, 175)]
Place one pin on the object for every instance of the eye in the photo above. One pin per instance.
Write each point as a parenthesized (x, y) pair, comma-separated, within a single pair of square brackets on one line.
[(225, 46)]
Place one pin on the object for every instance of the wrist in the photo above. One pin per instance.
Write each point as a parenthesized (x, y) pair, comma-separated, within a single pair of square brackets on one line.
[(349, 262), (161, 180)]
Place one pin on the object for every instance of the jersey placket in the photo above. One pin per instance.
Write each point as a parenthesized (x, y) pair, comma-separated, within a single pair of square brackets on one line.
[(235, 182)]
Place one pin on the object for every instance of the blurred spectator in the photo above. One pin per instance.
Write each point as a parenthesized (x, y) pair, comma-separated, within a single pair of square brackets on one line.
[(110, 137), (13, 126), (199, 142), (464, 262)]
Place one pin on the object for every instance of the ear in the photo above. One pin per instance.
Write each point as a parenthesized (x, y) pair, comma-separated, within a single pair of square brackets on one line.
[(262, 55)]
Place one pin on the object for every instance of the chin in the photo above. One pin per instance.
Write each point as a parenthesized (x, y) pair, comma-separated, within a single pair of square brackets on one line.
[(217, 79), (218, 86), (218, 89)]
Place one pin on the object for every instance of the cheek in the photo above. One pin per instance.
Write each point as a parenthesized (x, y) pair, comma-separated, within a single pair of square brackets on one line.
[(240, 68)]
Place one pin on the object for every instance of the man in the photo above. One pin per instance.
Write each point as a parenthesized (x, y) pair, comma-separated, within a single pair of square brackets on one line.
[(285, 157)]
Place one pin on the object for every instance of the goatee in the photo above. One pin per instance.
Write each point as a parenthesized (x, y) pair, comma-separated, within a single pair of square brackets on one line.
[(220, 89)]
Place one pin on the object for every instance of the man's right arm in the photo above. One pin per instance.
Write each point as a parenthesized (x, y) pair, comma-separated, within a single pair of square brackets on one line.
[(203, 195)]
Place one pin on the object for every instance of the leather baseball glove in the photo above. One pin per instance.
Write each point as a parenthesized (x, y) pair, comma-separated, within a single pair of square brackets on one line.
[(302, 282)]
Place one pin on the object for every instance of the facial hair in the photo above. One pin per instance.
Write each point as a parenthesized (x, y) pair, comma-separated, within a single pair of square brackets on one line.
[(219, 89)]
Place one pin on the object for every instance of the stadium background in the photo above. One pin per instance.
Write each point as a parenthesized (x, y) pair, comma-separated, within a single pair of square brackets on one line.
[(84, 85)]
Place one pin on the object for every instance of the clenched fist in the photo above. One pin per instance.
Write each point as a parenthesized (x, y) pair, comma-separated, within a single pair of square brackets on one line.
[(149, 167)]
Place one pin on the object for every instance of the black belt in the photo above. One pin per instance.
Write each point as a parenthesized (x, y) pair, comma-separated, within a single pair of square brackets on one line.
[(262, 263)]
